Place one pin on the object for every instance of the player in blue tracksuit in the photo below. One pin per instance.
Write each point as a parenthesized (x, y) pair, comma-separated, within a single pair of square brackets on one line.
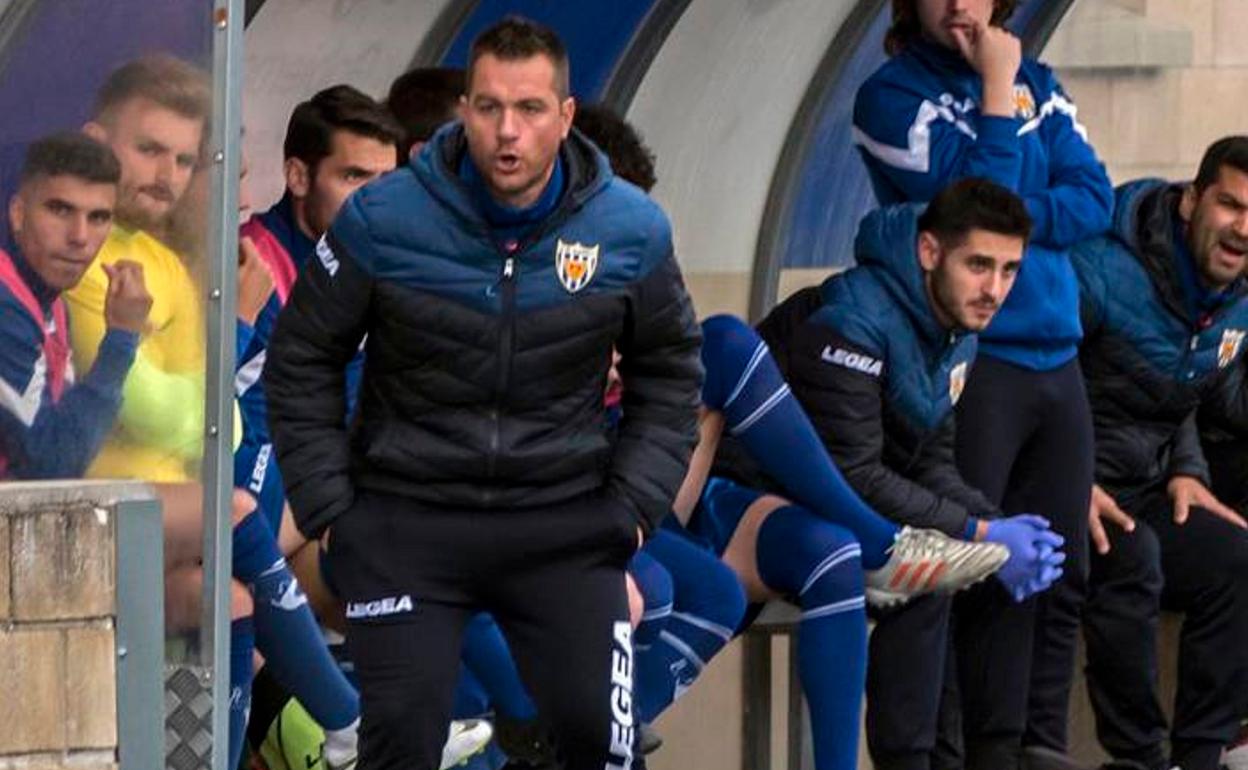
[(52, 424), (1165, 307), (958, 99)]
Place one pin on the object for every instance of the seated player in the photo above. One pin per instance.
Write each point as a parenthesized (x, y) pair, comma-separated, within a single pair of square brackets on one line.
[(1164, 307), (812, 555), (878, 356), (423, 100), (152, 114), (52, 423), (336, 142)]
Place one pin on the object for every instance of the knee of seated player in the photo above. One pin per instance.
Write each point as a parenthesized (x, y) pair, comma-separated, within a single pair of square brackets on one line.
[(1224, 553), (729, 343), (241, 504), (241, 603), (184, 599), (800, 550), (716, 595), (636, 602), (1133, 562), (651, 580)]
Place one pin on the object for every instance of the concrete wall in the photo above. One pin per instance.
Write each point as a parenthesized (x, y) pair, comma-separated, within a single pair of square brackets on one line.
[(58, 600), (1157, 120)]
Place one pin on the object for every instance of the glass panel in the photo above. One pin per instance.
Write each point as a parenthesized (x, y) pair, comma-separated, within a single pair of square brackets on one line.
[(134, 76)]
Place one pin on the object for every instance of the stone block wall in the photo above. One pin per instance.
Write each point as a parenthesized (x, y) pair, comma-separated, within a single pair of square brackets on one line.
[(58, 696)]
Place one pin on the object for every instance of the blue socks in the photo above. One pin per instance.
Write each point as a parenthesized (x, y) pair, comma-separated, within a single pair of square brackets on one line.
[(816, 565), (286, 632), (655, 584), (743, 382), (242, 643), (488, 658), (708, 606)]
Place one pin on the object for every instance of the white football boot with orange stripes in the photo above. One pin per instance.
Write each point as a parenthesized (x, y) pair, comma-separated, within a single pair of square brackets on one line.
[(924, 561)]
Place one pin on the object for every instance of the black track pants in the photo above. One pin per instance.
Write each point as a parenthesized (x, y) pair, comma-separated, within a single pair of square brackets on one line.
[(412, 574), (1024, 438), (1201, 570)]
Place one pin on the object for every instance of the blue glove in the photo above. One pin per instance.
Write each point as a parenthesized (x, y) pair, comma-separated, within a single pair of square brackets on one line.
[(1028, 569), (1050, 571)]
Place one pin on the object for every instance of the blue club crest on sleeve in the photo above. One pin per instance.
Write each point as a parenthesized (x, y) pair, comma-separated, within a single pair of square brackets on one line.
[(575, 264)]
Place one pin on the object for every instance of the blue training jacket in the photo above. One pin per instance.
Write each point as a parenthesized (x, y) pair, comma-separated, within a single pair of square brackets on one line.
[(254, 465), (918, 127), (51, 426)]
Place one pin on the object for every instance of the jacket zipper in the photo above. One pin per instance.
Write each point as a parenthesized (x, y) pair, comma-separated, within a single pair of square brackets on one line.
[(507, 287)]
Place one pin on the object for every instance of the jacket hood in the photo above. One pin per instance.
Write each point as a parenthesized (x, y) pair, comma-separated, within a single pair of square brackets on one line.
[(587, 170), (1144, 214), (886, 244)]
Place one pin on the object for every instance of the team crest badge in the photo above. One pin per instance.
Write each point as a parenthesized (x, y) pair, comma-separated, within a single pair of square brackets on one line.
[(575, 264), (1228, 349), (957, 382), (1024, 102)]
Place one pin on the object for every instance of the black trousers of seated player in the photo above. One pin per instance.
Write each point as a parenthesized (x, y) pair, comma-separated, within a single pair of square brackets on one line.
[(1201, 570), (1024, 438), (1228, 467), (905, 671), (553, 579)]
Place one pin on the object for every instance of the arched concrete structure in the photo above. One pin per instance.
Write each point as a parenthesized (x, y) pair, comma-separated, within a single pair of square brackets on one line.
[(296, 47), (716, 107)]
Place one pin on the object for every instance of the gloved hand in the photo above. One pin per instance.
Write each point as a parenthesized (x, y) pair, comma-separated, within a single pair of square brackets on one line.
[(1050, 571), (1027, 570)]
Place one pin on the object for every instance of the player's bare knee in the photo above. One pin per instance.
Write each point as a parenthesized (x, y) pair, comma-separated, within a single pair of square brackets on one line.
[(242, 504), (241, 603)]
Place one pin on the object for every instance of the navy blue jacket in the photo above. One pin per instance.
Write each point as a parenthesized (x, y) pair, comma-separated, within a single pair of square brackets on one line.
[(485, 365), (51, 426), (879, 377), (1148, 359), (918, 126)]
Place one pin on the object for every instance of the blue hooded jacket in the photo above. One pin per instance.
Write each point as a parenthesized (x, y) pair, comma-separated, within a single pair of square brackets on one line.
[(879, 377), (918, 126)]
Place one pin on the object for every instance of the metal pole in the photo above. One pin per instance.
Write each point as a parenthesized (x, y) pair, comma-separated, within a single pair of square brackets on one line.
[(221, 283)]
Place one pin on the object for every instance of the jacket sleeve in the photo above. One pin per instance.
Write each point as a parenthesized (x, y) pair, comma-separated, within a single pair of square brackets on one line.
[(1078, 202), (914, 147), (937, 470), (1187, 458), (1088, 260), (1225, 409), (45, 440), (846, 407), (662, 374), (316, 335)]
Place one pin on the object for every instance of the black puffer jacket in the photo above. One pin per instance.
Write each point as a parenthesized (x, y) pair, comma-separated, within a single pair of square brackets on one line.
[(1148, 359), (486, 363)]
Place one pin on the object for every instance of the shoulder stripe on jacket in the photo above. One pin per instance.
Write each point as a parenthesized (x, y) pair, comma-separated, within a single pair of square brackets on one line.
[(1056, 103), (916, 156)]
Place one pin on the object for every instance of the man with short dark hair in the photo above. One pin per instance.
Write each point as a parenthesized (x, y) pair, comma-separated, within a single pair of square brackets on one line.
[(51, 425), (1162, 300), (492, 277), (423, 100), (958, 98), (336, 142), (878, 357)]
